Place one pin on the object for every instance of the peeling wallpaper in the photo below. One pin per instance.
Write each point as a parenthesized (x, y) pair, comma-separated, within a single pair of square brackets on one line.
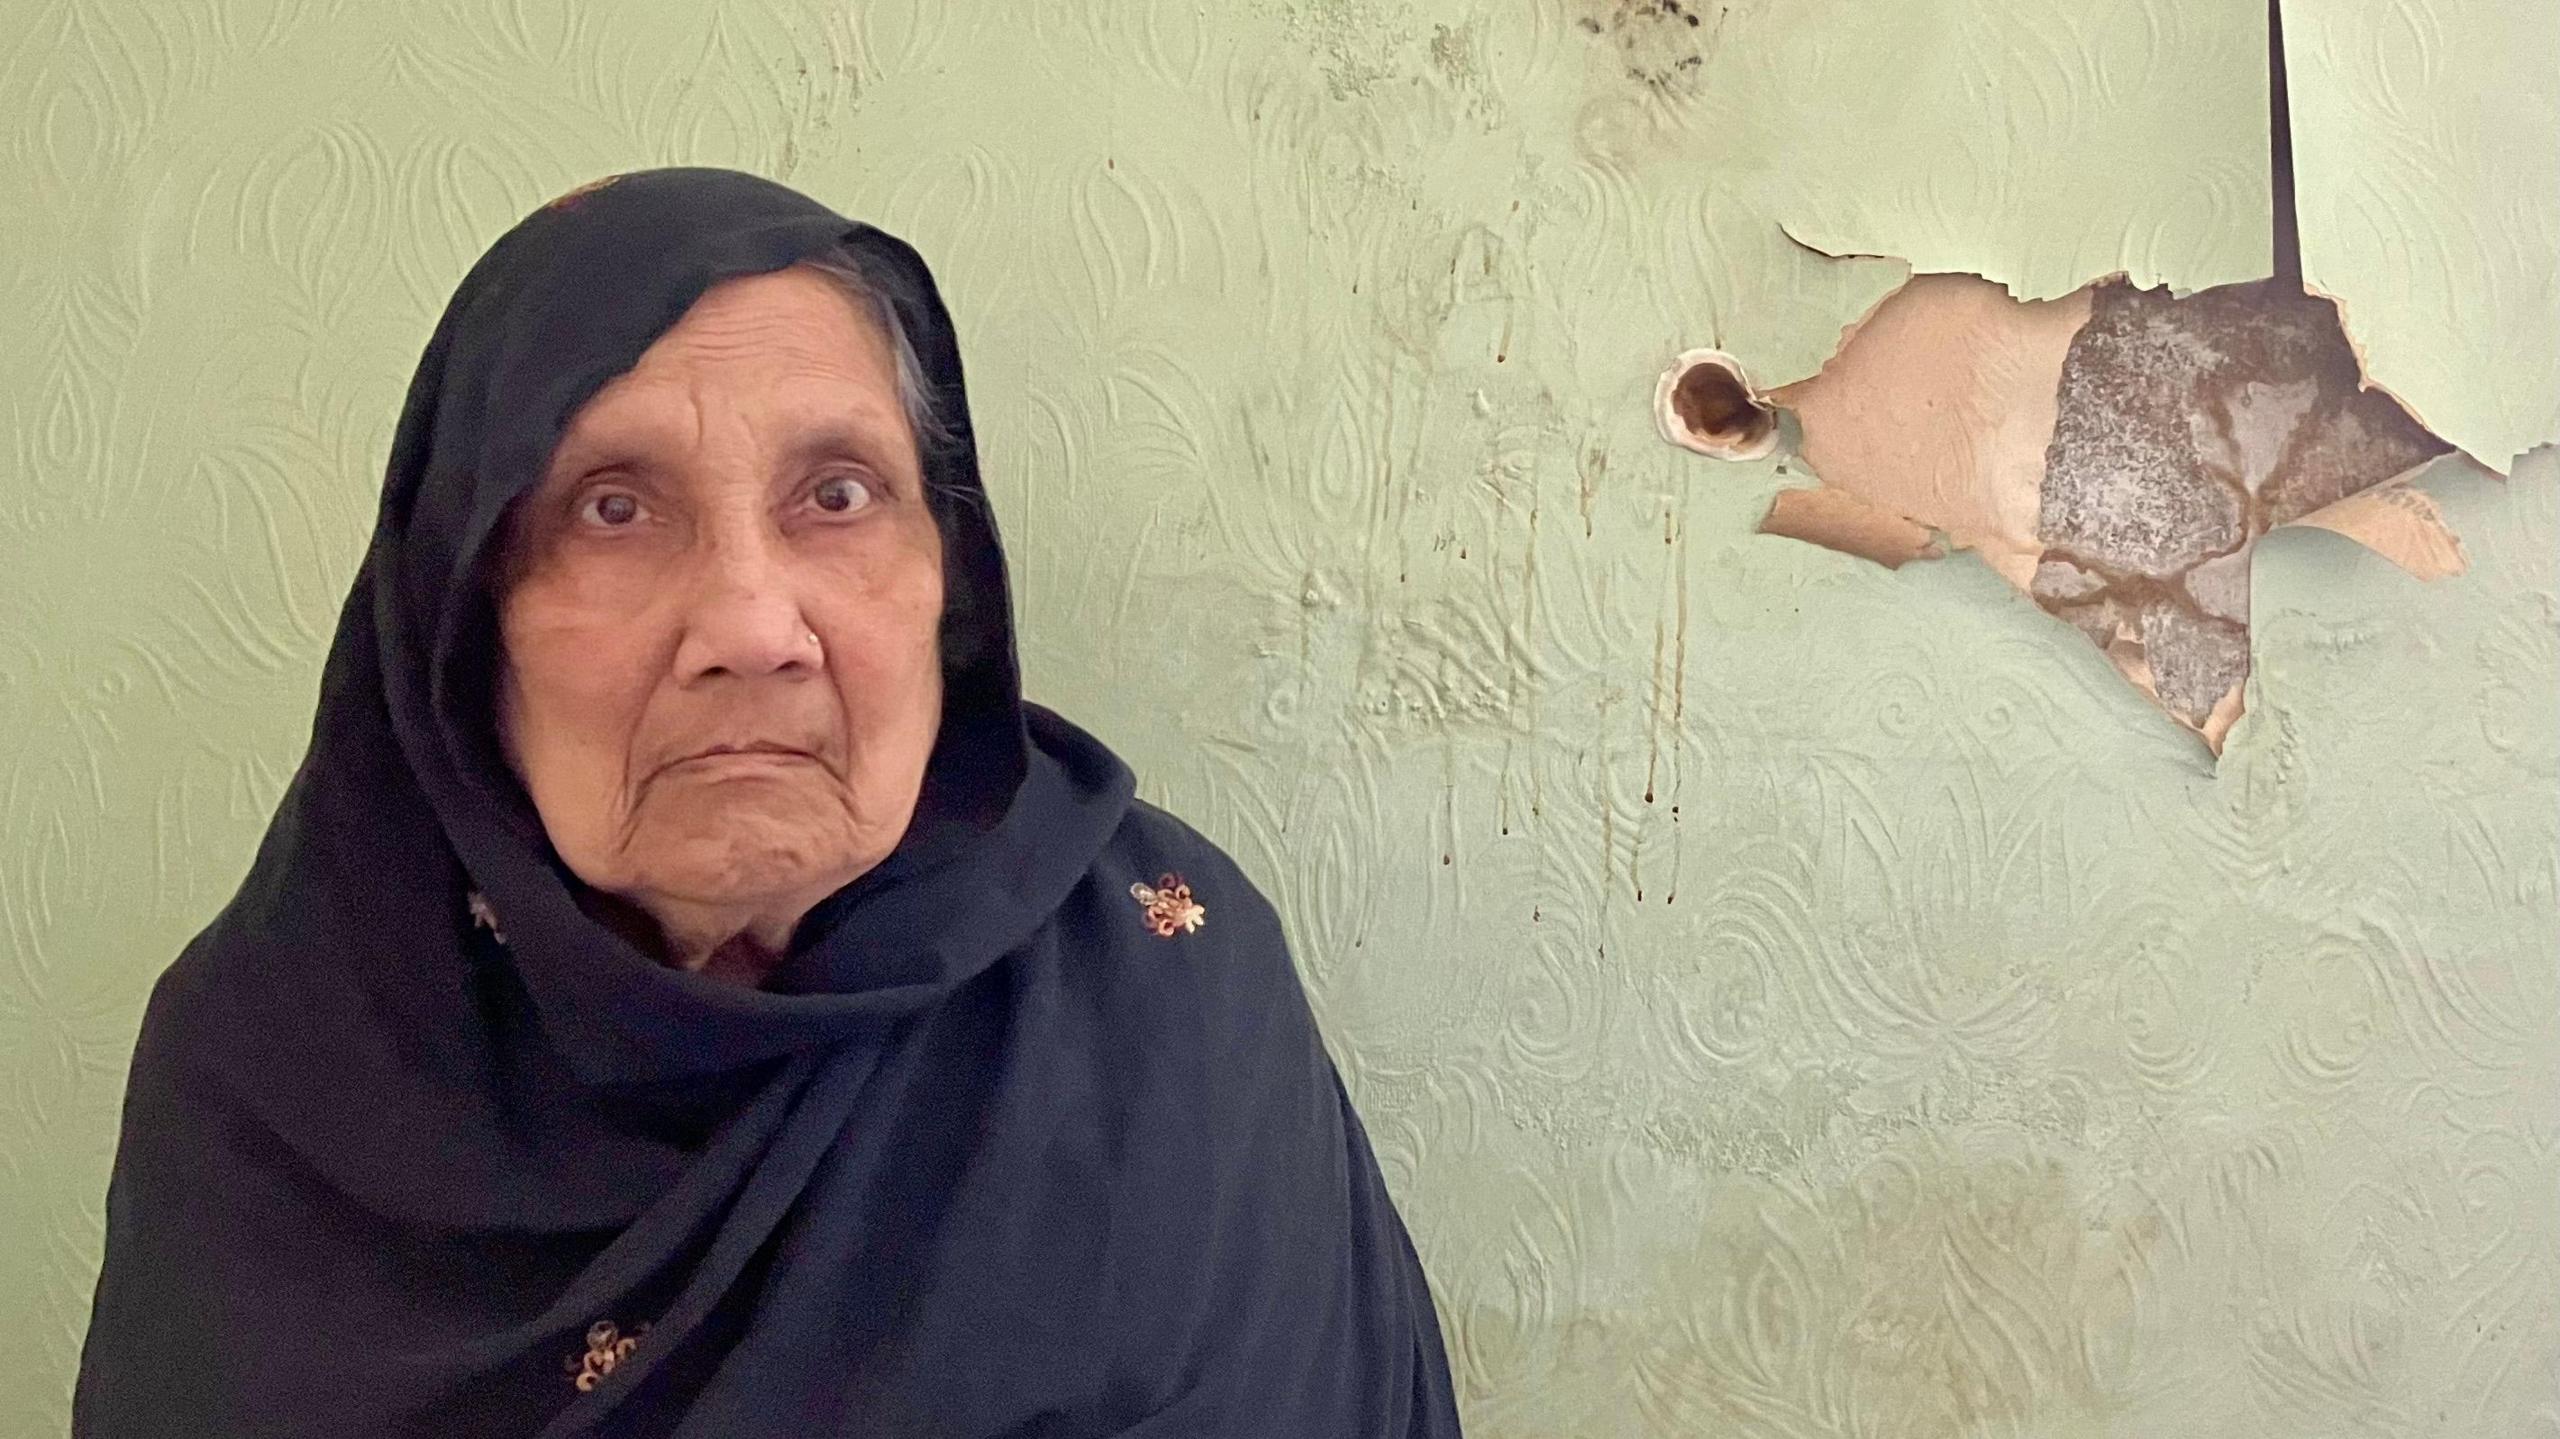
[(2427, 152), (1789, 997), (2116, 454), (2035, 143)]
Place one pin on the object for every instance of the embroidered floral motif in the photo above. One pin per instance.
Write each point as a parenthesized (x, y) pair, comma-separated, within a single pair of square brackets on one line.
[(607, 1346), (485, 917), (1170, 909)]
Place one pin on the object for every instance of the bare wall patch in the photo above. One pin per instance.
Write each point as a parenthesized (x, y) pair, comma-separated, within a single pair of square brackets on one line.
[(2116, 454)]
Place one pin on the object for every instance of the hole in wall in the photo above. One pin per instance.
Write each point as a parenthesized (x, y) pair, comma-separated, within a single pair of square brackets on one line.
[(1705, 403)]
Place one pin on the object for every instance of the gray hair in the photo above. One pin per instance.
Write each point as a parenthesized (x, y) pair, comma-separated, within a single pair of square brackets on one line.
[(852, 275)]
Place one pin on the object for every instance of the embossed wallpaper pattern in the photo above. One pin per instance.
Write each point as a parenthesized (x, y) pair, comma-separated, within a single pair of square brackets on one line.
[(1789, 998)]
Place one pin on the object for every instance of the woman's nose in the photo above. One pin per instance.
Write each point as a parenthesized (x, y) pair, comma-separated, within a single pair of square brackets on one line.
[(744, 617)]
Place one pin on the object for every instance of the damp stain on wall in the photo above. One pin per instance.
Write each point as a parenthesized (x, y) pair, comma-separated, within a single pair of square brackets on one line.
[(2117, 455), (1660, 44), (2175, 431), (2185, 430)]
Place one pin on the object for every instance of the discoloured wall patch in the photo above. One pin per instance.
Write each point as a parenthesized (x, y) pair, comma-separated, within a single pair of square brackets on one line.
[(1897, 1303), (1937, 410), (2185, 430), (1357, 43), (2117, 455), (1661, 44), (1458, 54)]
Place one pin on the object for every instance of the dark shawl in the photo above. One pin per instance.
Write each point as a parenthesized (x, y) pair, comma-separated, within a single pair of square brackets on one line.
[(988, 1155)]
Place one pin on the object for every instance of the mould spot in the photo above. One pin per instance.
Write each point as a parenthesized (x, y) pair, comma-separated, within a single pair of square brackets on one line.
[(1705, 403), (1660, 43)]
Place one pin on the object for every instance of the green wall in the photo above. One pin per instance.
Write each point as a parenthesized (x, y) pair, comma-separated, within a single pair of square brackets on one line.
[(1789, 997)]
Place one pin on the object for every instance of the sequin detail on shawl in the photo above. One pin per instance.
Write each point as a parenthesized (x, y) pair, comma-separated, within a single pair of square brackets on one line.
[(607, 1346), (1170, 908)]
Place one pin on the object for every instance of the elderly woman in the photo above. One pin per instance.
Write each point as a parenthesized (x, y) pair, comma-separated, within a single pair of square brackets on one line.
[(686, 990)]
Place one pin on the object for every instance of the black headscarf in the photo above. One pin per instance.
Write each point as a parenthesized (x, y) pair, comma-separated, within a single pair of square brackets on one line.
[(1008, 1145)]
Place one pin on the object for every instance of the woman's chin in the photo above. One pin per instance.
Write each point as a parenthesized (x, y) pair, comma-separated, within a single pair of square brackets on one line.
[(751, 869)]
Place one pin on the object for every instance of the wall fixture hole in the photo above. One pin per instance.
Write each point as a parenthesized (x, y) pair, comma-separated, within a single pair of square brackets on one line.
[(1705, 403)]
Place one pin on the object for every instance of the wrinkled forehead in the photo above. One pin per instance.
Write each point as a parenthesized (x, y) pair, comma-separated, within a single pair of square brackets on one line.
[(776, 362)]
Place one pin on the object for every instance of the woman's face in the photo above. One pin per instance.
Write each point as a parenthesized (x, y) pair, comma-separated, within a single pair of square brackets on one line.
[(720, 615)]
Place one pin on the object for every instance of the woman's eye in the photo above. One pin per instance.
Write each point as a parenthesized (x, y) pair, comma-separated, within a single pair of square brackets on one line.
[(840, 494), (610, 508)]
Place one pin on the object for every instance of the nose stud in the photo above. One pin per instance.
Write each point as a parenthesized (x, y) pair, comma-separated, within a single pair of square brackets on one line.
[(810, 635)]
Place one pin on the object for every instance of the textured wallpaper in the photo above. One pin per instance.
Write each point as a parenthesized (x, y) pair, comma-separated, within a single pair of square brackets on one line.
[(2407, 112), (1790, 997)]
